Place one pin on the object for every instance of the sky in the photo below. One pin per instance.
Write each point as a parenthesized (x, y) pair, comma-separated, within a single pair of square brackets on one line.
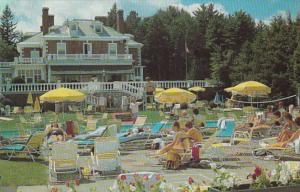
[(28, 12)]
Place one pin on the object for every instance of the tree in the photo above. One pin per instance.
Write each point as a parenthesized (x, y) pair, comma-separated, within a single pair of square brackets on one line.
[(8, 27), (7, 52), (296, 65), (112, 17), (156, 49)]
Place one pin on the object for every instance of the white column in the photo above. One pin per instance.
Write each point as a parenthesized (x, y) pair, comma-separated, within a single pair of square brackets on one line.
[(142, 73), (49, 74)]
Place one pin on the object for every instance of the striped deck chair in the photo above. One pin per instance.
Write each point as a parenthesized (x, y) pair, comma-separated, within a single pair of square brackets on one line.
[(155, 130), (63, 160), (16, 110), (91, 125), (28, 109), (106, 157), (80, 116), (30, 148), (140, 121)]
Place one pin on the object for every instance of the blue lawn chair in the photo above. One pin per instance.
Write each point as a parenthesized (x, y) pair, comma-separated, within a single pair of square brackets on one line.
[(228, 130)]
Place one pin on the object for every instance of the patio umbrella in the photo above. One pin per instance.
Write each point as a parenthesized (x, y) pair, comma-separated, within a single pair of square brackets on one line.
[(250, 88), (29, 99), (62, 95), (37, 107), (175, 95), (197, 89)]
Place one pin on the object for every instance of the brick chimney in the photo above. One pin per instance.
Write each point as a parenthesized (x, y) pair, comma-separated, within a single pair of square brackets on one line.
[(120, 21), (102, 19), (133, 14), (47, 20)]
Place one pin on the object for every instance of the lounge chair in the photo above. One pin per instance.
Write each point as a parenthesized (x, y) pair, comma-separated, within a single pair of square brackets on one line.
[(89, 109), (28, 109), (30, 148), (80, 116), (63, 160), (106, 156), (140, 122), (91, 125), (16, 110), (155, 130)]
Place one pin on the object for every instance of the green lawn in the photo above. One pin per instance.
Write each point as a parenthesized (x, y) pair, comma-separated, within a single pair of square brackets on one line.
[(17, 173)]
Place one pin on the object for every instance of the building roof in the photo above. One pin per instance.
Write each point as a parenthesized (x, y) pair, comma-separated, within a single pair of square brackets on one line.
[(35, 39), (79, 29), (85, 29)]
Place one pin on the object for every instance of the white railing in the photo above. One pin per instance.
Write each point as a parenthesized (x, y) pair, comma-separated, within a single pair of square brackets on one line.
[(89, 57), (93, 100), (21, 60), (6, 64), (134, 88)]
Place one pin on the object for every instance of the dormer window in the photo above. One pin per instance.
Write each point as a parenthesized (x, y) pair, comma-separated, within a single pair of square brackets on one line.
[(97, 27), (74, 27)]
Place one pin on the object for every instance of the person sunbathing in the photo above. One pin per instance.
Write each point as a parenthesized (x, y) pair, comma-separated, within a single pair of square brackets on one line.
[(289, 128), (278, 118), (184, 139), (256, 123), (55, 133), (295, 135)]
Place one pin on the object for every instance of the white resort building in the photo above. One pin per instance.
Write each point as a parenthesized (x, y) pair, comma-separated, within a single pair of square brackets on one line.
[(76, 51)]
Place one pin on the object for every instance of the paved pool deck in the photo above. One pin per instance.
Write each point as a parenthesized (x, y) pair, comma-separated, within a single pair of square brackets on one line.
[(136, 161)]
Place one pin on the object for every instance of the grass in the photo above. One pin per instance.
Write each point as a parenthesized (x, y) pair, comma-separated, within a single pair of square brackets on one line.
[(17, 173)]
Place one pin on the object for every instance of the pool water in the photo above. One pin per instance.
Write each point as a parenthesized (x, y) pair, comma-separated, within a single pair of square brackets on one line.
[(126, 127), (211, 124), (9, 134)]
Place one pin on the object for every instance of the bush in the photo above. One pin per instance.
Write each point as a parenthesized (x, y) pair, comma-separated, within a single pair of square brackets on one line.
[(18, 80), (7, 101), (41, 81)]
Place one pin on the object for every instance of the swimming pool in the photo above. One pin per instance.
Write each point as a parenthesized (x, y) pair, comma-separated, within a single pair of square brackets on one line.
[(126, 127)]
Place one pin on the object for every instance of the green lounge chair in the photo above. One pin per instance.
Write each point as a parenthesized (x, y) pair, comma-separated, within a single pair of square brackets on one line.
[(30, 148)]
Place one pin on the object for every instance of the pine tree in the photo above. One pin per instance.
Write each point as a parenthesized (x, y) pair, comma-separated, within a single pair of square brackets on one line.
[(112, 17), (8, 27)]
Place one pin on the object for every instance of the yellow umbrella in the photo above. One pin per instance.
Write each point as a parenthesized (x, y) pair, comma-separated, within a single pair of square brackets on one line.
[(158, 90), (250, 88), (197, 89), (62, 94), (175, 95), (29, 99), (37, 107)]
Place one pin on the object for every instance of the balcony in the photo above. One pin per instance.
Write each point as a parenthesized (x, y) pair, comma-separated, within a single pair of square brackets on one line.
[(89, 59), (21, 60), (6, 64)]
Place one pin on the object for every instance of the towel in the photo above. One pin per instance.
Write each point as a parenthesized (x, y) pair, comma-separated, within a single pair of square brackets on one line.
[(220, 122), (98, 132)]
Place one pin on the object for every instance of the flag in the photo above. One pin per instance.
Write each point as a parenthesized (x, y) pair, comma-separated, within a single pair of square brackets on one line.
[(186, 48)]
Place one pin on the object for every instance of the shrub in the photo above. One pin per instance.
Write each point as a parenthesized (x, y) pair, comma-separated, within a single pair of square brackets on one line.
[(18, 80)]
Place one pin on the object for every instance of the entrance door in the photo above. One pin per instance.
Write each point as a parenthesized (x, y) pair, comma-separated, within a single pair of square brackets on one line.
[(87, 48)]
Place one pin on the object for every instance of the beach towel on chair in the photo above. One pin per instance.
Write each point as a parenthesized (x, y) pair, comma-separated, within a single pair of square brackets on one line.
[(98, 132)]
